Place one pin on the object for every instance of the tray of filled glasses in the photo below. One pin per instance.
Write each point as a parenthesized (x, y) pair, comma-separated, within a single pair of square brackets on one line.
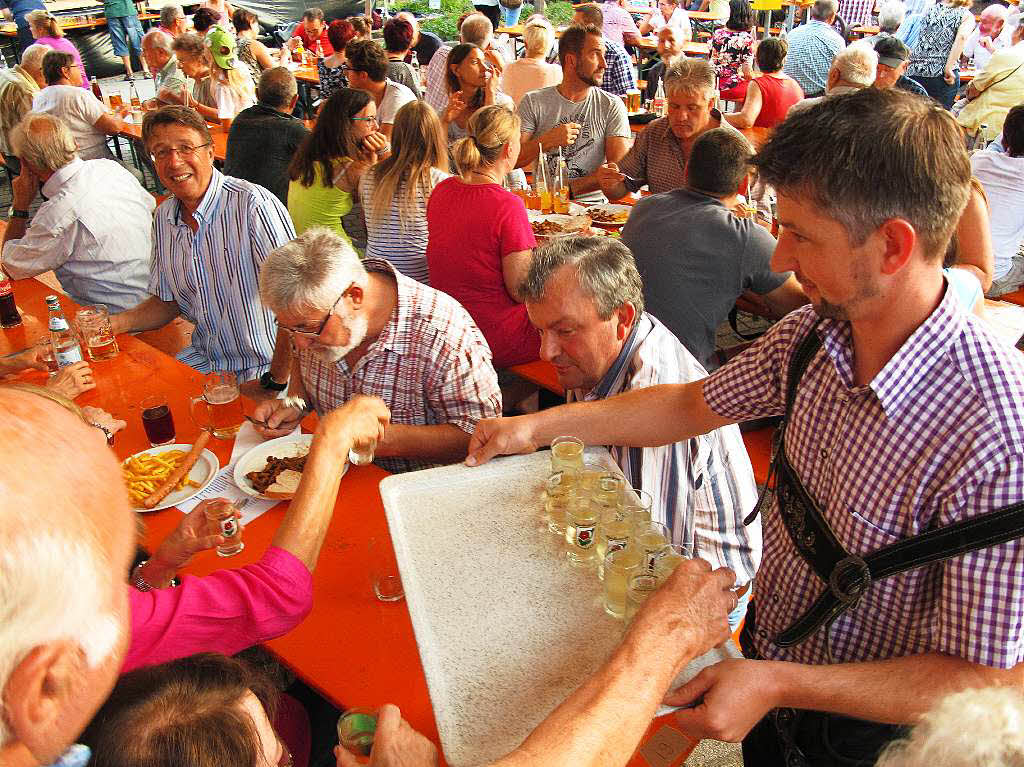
[(507, 608)]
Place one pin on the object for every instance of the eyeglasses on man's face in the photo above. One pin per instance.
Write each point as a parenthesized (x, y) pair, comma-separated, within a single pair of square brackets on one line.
[(314, 333), (185, 152)]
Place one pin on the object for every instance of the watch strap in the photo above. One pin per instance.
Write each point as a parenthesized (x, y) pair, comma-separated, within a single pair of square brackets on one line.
[(267, 382), (15, 213)]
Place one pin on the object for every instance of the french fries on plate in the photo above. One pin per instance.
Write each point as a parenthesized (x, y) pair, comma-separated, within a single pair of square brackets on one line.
[(144, 473)]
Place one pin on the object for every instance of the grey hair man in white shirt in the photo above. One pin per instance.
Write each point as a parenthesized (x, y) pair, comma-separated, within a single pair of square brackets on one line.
[(100, 251)]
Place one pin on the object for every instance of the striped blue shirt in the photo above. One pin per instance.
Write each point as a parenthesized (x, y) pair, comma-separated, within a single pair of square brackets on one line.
[(213, 274), (702, 487)]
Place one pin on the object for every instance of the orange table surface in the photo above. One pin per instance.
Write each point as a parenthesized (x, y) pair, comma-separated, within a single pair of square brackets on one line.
[(352, 648)]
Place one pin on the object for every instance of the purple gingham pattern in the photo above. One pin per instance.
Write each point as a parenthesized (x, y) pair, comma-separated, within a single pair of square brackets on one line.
[(430, 364), (937, 437), (856, 12)]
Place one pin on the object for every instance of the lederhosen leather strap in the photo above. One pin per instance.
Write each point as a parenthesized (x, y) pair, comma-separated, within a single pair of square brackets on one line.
[(848, 576)]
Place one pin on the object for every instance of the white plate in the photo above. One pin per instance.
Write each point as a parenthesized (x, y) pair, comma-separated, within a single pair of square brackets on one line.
[(256, 459), (610, 207), (203, 472), (575, 209)]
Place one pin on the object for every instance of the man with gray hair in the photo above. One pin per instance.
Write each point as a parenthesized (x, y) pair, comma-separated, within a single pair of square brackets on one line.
[(67, 537), (361, 327), (99, 251), (172, 21), (890, 17), (159, 56), (585, 296), (264, 137), (852, 69), (18, 86), (989, 36), (812, 46), (659, 155)]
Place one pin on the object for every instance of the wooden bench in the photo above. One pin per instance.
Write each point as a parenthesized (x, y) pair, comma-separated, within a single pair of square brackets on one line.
[(1016, 297)]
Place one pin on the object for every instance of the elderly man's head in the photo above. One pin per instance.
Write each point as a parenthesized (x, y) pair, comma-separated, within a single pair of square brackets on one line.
[(853, 67), (156, 49), (67, 537), (824, 10), (477, 29), (669, 46), (891, 15), (583, 294), (43, 142), (691, 91), (992, 19), (315, 284), (32, 62), (278, 89), (179, 142), (865, 223), (172, 19), (893, 60)]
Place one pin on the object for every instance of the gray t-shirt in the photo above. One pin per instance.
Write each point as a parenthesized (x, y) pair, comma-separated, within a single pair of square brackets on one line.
[(696, 258), (599, 116)]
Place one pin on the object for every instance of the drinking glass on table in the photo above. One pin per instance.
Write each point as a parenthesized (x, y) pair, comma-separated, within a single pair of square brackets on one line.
[(96, 333), (619, 566), (614, 532), (639, 588), (566, 453), (671, 557), (157, 420), (384, 575), (559, 491), (222, 402), (651, 539), (580, 526), (356, 728)]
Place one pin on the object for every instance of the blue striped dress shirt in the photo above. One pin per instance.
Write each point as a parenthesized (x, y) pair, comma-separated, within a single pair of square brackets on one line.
[(213, 274)]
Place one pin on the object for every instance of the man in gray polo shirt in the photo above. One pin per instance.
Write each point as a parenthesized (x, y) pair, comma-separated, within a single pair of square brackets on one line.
[(696, 257)]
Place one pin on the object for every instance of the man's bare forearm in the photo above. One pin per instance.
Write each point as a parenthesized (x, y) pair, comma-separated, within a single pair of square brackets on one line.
[(151, 314), (281, 362), (877, 691), (648, 417), (440, 443)]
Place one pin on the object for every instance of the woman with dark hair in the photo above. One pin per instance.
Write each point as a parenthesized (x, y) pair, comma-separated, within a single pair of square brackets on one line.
[(332, 68), (326, 169), (398, 36), (769, 96), (205, 710), (732, 51), (251, 51), (472, 83), (203, 19)]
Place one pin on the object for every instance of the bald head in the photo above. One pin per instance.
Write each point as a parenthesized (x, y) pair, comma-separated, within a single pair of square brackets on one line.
[(32, 61), (44, 142), (992, 20), (66, 541)]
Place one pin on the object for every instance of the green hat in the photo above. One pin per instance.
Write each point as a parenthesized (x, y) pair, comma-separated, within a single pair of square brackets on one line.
[(222, 47)]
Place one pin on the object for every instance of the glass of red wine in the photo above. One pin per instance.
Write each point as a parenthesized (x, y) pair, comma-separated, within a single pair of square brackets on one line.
[(157, 420)]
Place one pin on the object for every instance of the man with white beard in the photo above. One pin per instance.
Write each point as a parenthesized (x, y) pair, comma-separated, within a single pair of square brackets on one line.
[(360, 327)]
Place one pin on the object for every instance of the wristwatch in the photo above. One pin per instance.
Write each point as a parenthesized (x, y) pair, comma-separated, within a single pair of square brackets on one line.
[(141, 584), (15, 213), (267, 382), (105, 430)]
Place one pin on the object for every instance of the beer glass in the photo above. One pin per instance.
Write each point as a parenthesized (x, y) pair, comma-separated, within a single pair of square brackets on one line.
[(157, 420), (223, 515), (651, 538), (356, 728), (560, 490), (618, 566), (639, 588), (580, 524), (614, 532), (97, 336), (222, 402), (637, 504), (671, 556), (566, 453)]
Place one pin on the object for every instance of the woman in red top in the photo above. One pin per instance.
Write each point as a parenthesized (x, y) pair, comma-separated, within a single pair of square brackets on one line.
[(770, 95), (479, 240)]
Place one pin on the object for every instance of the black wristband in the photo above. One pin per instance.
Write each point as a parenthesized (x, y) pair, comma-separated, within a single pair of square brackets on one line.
[(15, 213), (267, 382)]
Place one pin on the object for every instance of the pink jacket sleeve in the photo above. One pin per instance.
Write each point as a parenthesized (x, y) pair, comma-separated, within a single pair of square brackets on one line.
[(224, 612)]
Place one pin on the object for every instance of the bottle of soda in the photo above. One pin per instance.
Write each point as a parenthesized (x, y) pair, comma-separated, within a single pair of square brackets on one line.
[(66, 348), (9, 315), (135, 101)]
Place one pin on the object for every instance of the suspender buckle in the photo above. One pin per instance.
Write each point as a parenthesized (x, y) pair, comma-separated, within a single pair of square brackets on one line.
[(850, 578)]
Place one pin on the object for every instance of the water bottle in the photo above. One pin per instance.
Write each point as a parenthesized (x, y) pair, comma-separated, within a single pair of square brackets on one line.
[(66, 348)]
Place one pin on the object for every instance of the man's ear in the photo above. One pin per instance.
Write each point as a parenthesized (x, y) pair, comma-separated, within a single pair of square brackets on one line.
[(899, 239), (625, 318), (38, 692)]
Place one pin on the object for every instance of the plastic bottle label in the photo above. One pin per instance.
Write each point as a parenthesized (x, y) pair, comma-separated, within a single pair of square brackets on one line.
[(5, 287), (68, 356)]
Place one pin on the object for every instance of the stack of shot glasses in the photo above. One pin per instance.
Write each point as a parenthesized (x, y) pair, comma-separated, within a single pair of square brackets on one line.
[(606, 526)]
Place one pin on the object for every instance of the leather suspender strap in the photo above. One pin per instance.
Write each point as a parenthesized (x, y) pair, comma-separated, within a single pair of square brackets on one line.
[(848, 576)]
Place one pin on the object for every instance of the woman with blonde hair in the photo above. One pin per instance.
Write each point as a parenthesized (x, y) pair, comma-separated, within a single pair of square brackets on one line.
[(532, 71), (395, 192), (46, 30), (480, 241)]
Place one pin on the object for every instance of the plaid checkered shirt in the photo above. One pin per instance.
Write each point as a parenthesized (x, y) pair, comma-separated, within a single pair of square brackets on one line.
[(935, 438), (702, 488), (430, 364), (618, 73), (812, 46), (856, 12)]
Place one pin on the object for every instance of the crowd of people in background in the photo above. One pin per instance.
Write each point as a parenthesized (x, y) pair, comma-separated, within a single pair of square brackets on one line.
[(375, 263)]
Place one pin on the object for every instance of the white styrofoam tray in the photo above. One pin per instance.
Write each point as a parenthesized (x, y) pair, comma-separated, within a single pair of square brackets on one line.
[(506, 629)]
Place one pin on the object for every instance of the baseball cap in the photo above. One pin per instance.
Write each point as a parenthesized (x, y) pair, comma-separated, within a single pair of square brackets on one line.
[(222, 47), (891, 51)]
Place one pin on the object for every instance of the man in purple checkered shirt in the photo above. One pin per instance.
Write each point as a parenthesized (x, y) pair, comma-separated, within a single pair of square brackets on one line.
[(361, 327), (908, 418)]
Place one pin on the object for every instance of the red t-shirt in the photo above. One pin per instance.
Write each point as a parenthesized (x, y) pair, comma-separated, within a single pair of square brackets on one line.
[(309, 43), (471, 228), (777, 96)]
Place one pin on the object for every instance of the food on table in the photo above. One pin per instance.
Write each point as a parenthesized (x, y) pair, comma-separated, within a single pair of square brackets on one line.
[(178, 473), (279, 477), (547, 228), (600, 216)]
